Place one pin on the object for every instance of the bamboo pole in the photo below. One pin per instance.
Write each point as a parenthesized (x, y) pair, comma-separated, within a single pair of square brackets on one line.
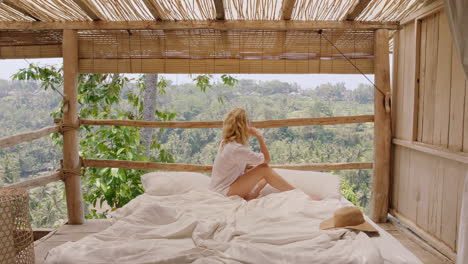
[(287, 8), (217, 124), (10, 141), (36, 182), (71, 157), (143, 165), (219, 6), (382, 129)]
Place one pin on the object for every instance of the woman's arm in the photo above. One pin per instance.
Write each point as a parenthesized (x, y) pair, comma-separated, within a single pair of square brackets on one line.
[(263, 148)]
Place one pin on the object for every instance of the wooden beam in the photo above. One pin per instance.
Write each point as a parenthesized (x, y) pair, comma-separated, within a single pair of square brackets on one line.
[(153, 10), (287, 8), (382, 129), (14, 5), (423, 12), (88, 11), (219, 5), (37, 182), (10, 141), (316, 121), (143, 165), (71, 156), (433, 150), (357, 10), (278, 25)]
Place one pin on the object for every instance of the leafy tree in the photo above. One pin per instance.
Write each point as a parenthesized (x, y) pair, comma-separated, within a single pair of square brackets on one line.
[(99, 96), (363, 94)]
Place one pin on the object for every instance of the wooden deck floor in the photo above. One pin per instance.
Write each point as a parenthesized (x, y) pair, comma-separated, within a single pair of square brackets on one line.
[(75, 232)]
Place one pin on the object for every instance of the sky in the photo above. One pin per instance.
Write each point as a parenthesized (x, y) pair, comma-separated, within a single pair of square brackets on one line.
[(306, 81)]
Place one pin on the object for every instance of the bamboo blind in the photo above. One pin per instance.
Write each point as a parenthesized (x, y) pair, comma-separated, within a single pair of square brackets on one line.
[(30, 44), (235, 51), (25, 38)]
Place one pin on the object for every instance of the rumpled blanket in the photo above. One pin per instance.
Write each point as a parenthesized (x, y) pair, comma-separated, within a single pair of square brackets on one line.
[(206, 227)]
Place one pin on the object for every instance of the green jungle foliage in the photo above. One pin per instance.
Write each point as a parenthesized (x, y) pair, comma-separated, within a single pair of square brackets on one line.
[(31, 105)]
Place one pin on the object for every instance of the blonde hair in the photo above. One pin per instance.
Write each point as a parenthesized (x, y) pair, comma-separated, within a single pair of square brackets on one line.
[(235, 127)]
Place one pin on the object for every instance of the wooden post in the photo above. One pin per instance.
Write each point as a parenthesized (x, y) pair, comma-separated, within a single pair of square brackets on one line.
[(71, 157), (382, 129)]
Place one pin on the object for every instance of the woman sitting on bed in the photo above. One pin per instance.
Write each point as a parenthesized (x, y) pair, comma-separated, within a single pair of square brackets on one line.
[(229, 176)]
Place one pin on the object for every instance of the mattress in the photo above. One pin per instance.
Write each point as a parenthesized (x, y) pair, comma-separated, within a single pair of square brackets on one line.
[(206, 227)]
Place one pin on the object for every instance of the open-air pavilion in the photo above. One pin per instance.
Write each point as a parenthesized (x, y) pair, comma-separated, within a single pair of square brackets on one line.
[(418, 120)]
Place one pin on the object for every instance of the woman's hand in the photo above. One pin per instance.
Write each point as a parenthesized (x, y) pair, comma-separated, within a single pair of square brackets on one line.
[(254, 132)]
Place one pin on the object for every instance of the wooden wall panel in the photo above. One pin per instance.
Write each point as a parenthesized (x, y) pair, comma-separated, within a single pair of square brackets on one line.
[(402, 101), (427, 192), (457, 104), (465, 119), (443, 78), (429, 81), (422, 77), (427, 189), (442, 87)]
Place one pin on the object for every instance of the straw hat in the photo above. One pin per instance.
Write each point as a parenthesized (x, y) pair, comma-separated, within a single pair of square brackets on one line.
[(348, 217)]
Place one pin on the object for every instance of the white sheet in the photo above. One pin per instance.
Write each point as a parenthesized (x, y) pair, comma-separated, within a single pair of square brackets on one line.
[(206, 227)]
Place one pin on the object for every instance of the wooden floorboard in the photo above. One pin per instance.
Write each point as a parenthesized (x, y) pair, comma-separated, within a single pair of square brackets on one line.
[(422, 250), (65, 233)]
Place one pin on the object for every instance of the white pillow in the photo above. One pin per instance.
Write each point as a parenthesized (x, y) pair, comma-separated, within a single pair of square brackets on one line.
[(321, 184), (170, 183)]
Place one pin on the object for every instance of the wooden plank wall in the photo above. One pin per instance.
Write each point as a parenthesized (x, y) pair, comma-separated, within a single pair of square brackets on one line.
[(427, 189)]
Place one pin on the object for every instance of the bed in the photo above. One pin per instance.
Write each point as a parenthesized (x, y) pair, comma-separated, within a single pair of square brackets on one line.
[(194, 225)]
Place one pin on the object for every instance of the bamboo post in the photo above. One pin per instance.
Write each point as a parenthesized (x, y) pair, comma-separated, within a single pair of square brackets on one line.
[(71, 157), (382, 128)]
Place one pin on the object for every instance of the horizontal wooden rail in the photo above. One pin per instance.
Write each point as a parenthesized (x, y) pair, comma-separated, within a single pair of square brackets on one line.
[(37, 182), (317, 121), (433, 150), (10, 141), (142, 165)]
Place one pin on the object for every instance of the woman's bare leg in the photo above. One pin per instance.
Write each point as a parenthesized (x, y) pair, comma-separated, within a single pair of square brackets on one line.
[(246, 182), (252, 195)]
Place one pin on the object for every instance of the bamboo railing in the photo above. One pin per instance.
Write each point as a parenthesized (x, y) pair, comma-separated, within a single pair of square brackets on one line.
[(10, 141), (125, 164), (317, 121), (144, 165), (37, 182)]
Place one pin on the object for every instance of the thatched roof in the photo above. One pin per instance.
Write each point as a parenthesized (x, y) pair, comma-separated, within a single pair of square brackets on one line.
[(198, 36), (146, 10)]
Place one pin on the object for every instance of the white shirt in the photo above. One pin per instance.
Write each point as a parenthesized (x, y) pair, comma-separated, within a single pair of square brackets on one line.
[(230, 163)]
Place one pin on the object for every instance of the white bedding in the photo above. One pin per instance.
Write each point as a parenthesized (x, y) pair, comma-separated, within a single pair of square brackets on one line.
[(206, 227)]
